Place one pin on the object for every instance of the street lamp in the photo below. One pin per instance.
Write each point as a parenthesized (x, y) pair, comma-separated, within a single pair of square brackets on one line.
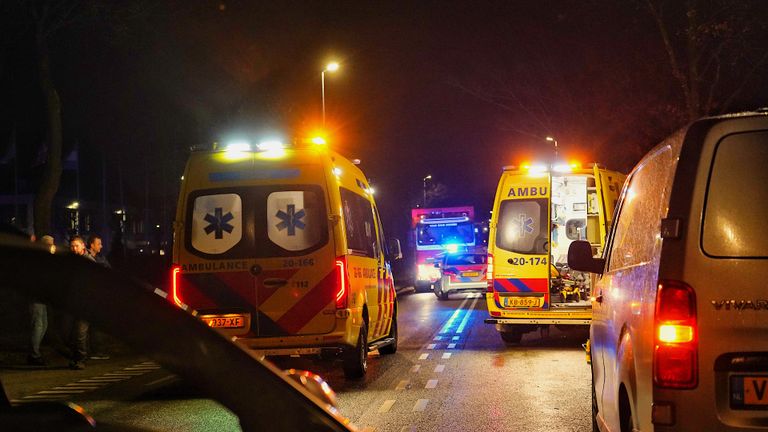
[(429, 177), (330, 67), (553, 140)]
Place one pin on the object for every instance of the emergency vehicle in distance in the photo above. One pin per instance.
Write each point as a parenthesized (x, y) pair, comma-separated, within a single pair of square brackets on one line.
[(281, 248), (436, 231), (538, 212)]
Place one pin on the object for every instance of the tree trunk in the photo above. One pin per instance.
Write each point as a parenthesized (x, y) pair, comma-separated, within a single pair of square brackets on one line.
[(49, 185)]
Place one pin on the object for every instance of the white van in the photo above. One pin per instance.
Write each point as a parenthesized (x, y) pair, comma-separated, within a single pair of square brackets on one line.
[(679, 332)]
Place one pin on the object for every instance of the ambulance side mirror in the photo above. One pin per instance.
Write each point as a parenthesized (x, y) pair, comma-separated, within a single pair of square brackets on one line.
[(580, 258), (395, 251)]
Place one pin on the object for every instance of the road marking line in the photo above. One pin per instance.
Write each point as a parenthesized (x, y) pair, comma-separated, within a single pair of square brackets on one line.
[(402, 385), (59, 392), (455, 338), (453, 317), (431, 384), (451, 346), (423, 356), (44, 397), (466, 316), (124, 374), (431, 346), (439, 368), (106, 380), (438, 338), (446, 355), (157, 381), (142, 368), (386, 406), (420, 405), (415, 368), (84, 388)]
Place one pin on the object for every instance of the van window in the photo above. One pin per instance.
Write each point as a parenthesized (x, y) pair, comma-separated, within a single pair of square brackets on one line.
[(256, 221), (734, 214), (638, 227), (358, 221), (523, 226)]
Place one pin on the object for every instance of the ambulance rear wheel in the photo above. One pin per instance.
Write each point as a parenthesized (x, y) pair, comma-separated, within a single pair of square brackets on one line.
[(356, 359), (391, 348), (511, 336)]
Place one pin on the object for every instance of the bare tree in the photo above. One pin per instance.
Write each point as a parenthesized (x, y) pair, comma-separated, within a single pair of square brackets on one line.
[(715, 48)]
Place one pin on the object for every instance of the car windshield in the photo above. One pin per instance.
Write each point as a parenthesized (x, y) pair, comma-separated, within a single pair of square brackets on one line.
[(459, 233), (467, 259)]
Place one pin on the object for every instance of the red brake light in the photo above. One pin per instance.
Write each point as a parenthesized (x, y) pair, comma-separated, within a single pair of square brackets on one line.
[(175, 276), (489, 273), (342, 283), (675, 359)]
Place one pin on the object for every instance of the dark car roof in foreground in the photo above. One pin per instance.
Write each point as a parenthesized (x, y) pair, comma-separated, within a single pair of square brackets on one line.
[(258, 393)]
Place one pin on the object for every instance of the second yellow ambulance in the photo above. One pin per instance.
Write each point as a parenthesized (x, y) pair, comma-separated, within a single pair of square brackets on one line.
[(538, 211)]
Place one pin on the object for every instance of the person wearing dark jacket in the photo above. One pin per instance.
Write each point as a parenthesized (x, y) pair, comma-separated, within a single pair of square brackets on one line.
[(80, 326), (96, 337)]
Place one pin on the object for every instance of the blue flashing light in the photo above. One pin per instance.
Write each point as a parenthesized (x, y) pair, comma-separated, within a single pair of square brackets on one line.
[(452, 248)]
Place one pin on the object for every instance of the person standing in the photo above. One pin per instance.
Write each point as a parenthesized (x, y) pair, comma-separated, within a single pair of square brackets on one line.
[(39, 324), (96, 337), (79, 326)]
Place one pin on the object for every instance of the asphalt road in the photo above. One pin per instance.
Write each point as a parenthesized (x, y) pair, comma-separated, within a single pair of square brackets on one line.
[(451, 372)]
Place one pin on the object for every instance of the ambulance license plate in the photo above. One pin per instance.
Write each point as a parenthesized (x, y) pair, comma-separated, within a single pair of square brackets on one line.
[(225, 321), (471, 274), (749, 392), (523, 301)]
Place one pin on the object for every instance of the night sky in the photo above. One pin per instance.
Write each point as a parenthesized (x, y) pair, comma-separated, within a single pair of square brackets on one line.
[(451, 89)]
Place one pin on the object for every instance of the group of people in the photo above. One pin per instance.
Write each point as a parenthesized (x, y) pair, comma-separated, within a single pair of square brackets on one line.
[(81, 336)]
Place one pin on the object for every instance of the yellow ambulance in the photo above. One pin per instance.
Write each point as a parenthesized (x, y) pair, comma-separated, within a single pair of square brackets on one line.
[(538, 212), (281, 248)]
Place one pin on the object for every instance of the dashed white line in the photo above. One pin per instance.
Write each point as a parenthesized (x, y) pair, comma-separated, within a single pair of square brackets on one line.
[(59, 392), (451, 346), (158, 381), (439, 368), (431, 384), (423, 356), (43, 396), (431, 346), (386, 406), (420, 405), (455, 337), (438, 338), (446, 355), (402, 385), (453, 317), (415, 368)]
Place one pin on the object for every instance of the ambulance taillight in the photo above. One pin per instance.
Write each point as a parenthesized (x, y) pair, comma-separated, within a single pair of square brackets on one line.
[(342, 283), (175, 284), (489, 273)]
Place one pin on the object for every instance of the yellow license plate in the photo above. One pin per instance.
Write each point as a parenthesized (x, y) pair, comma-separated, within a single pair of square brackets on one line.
[(522, 301), (749, 392), (471, 274), (224, 321)]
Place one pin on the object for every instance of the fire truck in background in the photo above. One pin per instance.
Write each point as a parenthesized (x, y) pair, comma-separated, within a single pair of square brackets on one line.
[(436, 231)]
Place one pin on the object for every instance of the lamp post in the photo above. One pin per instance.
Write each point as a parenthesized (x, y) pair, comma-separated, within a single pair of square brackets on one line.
[(330, 67), (429, 177), (553, 140)]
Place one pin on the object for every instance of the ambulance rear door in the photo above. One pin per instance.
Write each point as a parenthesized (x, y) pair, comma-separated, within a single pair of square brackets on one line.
[(521, 244)]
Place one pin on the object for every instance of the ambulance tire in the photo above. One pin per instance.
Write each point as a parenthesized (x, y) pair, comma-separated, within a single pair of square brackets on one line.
[(356, 359), (391, 348), (511, 336)]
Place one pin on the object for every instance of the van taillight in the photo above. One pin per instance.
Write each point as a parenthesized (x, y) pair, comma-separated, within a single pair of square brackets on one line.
[(342, 283), (675, 358), (489, 273), (175, 276)]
